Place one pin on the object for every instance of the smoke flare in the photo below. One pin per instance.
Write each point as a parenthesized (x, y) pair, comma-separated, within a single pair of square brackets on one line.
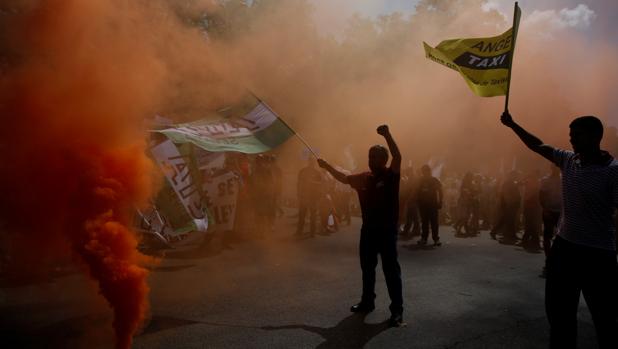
[(74, 89)]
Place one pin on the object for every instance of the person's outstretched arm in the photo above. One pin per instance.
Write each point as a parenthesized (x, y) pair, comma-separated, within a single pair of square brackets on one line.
[(392, 147), (530, 140), (340, 176)]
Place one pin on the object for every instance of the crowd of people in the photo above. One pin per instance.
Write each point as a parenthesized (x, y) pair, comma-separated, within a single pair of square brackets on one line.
[(323, 203), (568, 212), (505, 204), (514, 208)]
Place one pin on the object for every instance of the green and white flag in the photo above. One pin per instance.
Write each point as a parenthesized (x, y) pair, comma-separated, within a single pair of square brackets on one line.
[(256, 131)]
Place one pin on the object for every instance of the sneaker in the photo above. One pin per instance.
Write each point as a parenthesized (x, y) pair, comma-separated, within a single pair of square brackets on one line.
[(422, 242), (437, 243), (362, 308), (396, 320)]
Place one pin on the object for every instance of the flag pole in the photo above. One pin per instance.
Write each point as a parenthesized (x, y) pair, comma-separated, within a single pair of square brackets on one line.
[(286, 124), (515, 28)]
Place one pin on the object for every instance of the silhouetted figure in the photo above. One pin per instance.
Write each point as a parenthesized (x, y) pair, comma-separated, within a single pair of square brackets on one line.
[(465, 205), (329, 220), (532, 213), (451, 199), (429, 203), (263, 195), (582, 258), (278, 180), (550, 196), (309, 187), (488, 202), (378, 193), (510, 200), (412, 225), (343, 196)]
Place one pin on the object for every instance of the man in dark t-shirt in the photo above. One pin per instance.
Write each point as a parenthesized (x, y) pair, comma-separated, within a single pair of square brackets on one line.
[(378, 193), (429, 203)]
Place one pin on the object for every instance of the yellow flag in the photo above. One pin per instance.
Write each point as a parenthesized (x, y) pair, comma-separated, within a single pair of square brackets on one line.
[(484, 63)]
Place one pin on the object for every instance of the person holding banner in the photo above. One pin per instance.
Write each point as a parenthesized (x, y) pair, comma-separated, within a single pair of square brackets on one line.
[(378, 193), (582, 258)]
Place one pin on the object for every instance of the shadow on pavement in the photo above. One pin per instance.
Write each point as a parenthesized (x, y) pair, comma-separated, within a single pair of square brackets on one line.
[(351, 332)]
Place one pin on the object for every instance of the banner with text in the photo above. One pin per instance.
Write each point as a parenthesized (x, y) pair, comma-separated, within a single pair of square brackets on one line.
[(484, 63), (255, 131), (220, 195), (177, 171)]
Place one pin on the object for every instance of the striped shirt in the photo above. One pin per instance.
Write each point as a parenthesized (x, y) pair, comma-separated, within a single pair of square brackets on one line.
[(589, 196)]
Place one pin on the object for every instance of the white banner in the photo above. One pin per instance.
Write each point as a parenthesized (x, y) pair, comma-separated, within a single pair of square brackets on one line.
[(177, 172), (221, 193)]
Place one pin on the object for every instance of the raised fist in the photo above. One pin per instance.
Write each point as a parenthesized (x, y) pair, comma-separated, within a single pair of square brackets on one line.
[(382, 130)]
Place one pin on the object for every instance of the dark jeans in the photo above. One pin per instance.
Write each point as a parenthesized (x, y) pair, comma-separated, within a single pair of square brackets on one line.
[(507, 223), (573, 269), (312, 207), (532, 225), (429, 216), (384, 243)]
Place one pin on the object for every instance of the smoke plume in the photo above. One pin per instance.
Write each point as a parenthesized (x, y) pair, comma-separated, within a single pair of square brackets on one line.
[(77, 80)]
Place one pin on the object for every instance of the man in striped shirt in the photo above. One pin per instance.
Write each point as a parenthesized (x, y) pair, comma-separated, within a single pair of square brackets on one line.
[(583, 256)]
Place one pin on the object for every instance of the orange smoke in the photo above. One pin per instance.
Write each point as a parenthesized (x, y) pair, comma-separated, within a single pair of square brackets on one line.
[(75, 86)]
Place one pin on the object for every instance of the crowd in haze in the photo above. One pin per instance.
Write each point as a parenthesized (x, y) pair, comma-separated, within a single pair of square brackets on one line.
[(577, 197), (513, 207)]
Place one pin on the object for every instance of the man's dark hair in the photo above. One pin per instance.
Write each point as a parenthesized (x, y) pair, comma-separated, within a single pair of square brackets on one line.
[(380, 150), (590, 124)]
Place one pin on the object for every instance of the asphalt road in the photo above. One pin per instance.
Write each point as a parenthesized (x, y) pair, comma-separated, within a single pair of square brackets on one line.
[(284, 292)]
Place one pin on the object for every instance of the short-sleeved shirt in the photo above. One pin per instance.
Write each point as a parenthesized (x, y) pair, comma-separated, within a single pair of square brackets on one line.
[(589, 196), (427, 192), (379, 198)]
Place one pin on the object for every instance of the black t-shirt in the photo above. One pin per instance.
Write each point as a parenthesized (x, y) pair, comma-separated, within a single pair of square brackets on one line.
[(427, 191), (379, 198)]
